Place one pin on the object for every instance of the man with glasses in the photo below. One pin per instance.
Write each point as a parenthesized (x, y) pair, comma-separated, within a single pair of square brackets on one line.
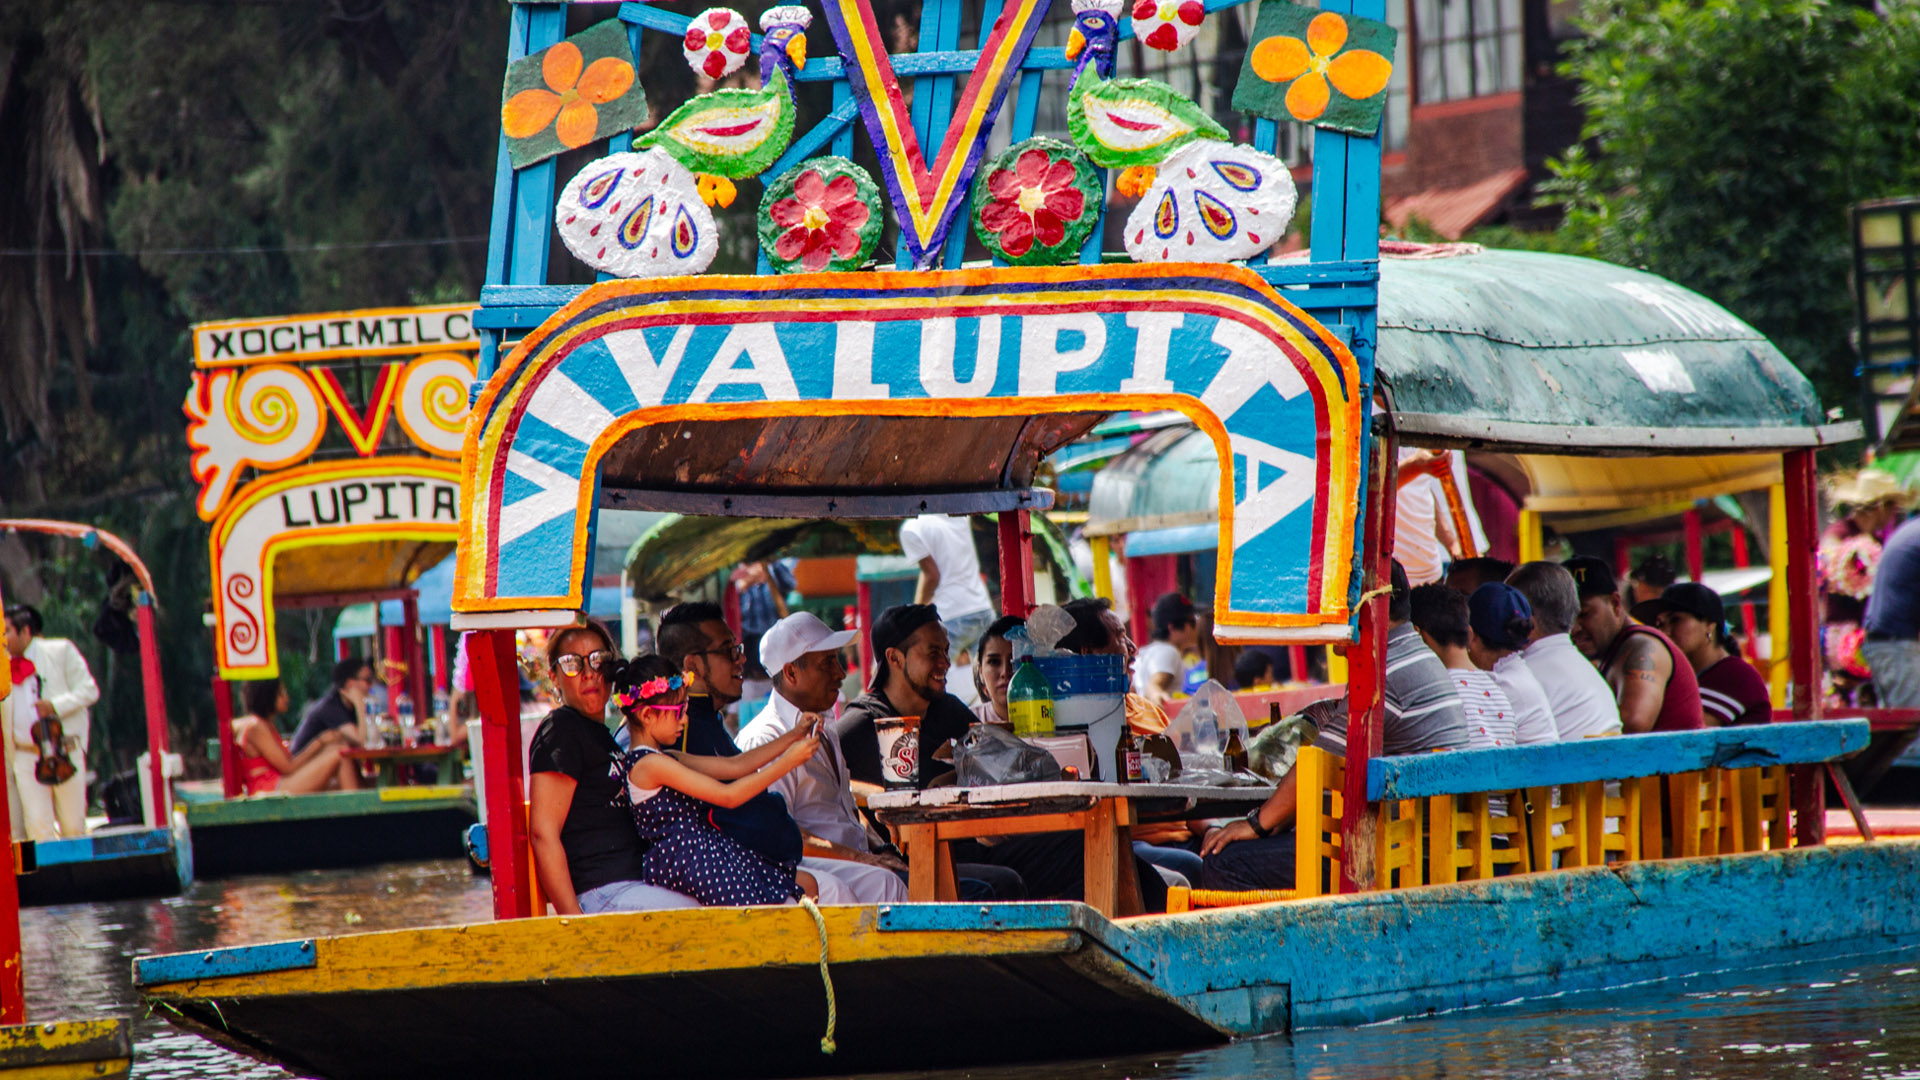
[(695, 637), (340, 707)]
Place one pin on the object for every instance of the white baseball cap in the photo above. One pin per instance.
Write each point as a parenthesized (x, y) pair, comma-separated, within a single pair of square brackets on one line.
[(794, 637)]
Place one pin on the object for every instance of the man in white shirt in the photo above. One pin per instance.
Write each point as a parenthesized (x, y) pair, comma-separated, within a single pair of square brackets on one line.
[(803, 656), (1499, 625), (65, 691), (1423, 538), (1583, 704), (949, 576), (1158, 665)]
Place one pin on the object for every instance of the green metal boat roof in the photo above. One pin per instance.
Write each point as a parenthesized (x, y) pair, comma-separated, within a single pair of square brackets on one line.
[(1526, 351)]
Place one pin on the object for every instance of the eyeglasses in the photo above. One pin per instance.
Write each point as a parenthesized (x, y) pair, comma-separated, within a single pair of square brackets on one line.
[(734, 651), (573, 664)]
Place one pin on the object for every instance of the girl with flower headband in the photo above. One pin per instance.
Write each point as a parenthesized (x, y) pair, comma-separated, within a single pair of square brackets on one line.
[(673, 795)]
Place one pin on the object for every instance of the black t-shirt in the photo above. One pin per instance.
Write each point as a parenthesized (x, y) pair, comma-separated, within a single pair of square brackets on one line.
[(946, 718), (599, 838), (321, 717), (706, 732)]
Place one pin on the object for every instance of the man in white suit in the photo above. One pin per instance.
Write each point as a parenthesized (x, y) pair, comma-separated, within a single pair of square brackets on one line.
[(65, 690)]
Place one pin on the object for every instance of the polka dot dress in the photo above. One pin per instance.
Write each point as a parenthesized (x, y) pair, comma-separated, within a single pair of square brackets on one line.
[(689, 855)]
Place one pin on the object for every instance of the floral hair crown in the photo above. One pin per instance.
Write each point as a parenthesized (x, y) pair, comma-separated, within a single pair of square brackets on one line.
[(637, 695)]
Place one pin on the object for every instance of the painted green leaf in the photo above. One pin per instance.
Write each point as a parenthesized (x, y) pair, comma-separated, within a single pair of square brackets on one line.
[(733, 133), (1126, 122)]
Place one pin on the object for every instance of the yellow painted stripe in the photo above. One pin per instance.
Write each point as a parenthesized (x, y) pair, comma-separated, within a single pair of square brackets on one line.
[(624, 945), (104, 1069), (421, 793)]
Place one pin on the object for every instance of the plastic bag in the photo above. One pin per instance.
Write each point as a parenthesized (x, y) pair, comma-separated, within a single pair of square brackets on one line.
[(990, 754), (1200, 731), (1273, 751)]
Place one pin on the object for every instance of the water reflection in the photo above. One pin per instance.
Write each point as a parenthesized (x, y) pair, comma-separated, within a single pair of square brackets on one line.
[(1859, 1020)]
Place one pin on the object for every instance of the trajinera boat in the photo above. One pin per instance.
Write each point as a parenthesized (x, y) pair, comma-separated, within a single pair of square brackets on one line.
[(823, 387)]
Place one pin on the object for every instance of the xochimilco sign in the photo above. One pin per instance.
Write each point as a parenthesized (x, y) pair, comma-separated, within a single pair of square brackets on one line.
[(289, 419)]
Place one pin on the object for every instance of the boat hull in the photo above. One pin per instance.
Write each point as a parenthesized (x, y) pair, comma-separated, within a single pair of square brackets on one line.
[(946, 985), (66, 1048), (109, 864), (281, 834)]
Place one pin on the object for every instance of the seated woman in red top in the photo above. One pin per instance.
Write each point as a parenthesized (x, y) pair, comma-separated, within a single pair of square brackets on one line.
[(1731, 692), (266, 766)]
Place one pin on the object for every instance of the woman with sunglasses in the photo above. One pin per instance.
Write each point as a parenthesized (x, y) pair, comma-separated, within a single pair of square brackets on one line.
[(585, 852), (673, 795)]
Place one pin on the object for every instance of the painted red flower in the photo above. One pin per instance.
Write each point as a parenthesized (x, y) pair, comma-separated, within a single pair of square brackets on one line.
[(1032, 202), (822, 221)]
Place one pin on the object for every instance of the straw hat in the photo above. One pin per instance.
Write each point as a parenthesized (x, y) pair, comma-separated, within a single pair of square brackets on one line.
[(1866, 487)]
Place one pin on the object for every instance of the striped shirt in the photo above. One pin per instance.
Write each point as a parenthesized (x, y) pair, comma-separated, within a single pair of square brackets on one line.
[(1490, 716), (1422, 711), (1532, 713)]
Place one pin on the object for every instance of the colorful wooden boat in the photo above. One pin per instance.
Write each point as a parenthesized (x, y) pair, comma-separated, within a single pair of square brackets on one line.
[(271, 834), (121, 861), (839, 394)]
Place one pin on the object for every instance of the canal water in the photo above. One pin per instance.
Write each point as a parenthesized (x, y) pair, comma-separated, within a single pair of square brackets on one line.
[(1850, 1020)]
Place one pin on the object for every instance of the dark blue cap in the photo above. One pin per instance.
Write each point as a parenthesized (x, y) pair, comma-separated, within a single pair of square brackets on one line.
[(1492, 610)]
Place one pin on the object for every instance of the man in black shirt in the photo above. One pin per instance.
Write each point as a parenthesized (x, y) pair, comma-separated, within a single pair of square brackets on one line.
[(340, 707), (910, 679), (695, 636)]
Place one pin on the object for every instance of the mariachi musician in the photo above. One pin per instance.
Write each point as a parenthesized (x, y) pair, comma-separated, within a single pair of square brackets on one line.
[(62, 689)]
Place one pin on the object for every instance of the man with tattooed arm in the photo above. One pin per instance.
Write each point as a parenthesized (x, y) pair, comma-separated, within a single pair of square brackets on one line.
[(1649, 675)]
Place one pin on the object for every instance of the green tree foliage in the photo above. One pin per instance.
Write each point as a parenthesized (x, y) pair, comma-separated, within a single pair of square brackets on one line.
[(1725, 141)]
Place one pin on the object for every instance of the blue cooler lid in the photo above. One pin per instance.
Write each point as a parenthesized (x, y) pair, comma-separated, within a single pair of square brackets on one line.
[(1074, 676)]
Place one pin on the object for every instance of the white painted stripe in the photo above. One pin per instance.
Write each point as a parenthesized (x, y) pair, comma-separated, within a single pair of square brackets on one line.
[(558, 495), (562, 403)]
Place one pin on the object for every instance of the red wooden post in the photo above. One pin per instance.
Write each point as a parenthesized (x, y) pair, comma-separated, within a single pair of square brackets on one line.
[(1016, 563), (1803, 636), (437, 636), (1623, 555), (415, 656), (730, 610), (342, 648), (1366, 667), (1741, 559), (1297, 662), (230, 785), (1696, 556), (13, 981), (393, 658), (156, 700), (863, 623), (496, 683)]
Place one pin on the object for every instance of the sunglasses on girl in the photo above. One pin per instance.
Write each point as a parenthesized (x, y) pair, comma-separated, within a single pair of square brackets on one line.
[(573, 664)]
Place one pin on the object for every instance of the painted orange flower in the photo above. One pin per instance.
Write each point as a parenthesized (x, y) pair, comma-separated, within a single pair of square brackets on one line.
[(1311, 64), (571, 95)]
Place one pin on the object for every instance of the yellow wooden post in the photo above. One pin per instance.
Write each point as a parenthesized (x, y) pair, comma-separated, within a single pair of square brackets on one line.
[(1102, 571), (1336, 668), (1531, 543), (1778, 672)]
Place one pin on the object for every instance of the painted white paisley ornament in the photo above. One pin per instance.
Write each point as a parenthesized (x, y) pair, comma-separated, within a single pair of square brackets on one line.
[(1212, 202), (637, 215)]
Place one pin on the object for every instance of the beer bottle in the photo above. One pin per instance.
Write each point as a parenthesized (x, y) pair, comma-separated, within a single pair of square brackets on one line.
[(1030, 702), (1236, 753), (1133, 769)]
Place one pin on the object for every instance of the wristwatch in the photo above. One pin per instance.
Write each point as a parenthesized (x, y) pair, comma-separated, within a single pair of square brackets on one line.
[(1259, 830)]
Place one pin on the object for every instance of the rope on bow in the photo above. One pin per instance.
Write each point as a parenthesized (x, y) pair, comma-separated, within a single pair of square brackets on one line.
[(827, 1045), (1374, 594)]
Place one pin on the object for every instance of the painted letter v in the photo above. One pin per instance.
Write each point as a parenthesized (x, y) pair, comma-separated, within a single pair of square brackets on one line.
[(924, 202)]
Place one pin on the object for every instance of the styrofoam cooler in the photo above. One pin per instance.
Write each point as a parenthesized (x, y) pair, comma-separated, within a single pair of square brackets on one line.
[(1089, 696)]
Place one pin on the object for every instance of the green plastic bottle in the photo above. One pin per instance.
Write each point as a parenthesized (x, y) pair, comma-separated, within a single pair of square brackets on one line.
[(1030, 702)]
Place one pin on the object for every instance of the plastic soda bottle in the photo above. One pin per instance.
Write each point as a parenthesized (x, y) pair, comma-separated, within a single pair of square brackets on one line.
[(1030, 702)]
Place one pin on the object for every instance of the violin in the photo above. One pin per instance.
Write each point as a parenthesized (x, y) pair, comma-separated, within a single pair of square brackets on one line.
[(54, 767), (49, 736)]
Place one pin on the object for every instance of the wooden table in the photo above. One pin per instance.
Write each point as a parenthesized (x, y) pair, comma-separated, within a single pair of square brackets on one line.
[(388, 759), (927, 822)]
